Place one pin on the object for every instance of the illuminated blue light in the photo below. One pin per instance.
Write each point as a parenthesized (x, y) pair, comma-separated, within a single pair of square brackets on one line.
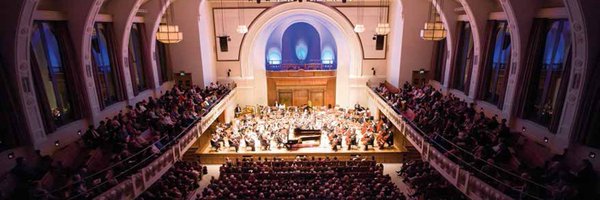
[(327, 55), (274, 56), (301, 50)]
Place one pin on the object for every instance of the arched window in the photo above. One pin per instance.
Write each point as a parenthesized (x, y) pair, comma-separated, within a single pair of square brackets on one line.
[(439, 60), (107, 73), (56, 78), (548, 70), (137, 69), (495, 73), (162, 61), (464, 53)]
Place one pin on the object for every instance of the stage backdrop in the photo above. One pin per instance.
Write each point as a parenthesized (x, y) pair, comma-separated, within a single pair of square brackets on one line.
[(298, 87)]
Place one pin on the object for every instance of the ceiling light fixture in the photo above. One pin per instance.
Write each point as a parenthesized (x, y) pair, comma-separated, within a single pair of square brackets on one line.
[(359, 27), (383, 27), (433, 29), (168, 33), (242, 28)]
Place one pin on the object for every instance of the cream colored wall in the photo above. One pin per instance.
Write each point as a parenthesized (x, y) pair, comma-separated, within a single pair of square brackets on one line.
[(230, 60)]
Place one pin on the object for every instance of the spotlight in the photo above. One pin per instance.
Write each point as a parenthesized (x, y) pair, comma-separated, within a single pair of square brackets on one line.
[(592, 155), (524, 129), (79, 132), (546, 139), (57, 143), (11, 155)]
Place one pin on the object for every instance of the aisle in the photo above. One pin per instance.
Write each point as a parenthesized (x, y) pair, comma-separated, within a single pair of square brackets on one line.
[(213, 170), (390, 169)]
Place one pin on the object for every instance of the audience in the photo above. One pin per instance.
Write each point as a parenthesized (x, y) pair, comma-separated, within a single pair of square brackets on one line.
[(426, 182), (178, 183), (126, 141), (302, 179), (481, 144)]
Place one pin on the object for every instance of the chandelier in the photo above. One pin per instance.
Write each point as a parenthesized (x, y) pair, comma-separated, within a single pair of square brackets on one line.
[(242, 28), (383, 27), (168, 33), (359, 27), (433, 30)]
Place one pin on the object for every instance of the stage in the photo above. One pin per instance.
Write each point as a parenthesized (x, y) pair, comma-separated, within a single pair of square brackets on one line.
[(392, 154)]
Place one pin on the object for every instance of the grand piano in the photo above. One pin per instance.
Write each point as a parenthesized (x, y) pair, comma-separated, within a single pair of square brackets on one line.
[(303, 135)]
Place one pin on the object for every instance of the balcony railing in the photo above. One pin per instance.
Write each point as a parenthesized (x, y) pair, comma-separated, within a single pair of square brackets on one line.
[(309, 65), (469, 179), (135, 179)]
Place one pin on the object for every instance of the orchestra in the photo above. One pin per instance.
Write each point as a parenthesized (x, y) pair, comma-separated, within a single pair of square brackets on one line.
[(267, 128)]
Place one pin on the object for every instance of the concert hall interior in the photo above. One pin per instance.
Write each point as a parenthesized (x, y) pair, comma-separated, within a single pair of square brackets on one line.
[(299, 99)]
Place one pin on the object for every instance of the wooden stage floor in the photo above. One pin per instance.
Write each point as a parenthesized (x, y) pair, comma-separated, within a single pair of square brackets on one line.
[(392, 154)]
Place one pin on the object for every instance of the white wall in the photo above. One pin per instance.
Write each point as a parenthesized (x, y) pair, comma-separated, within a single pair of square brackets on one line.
[(186, 55)]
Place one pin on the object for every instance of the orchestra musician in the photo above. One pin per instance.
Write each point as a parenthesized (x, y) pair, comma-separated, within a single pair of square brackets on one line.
[(368, 139), (335, 140), (280, 138), (271, 124), (265, 141), (250, 141), (351, 138), (234, 141), (214, 141)]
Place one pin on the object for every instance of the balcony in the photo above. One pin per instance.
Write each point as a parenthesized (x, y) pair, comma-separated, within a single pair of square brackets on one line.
[(135, 180), (320, 65), (469, 179)]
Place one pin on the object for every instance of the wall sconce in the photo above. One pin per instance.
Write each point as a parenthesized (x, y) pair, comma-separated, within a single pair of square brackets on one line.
[(524, 129), (374, 72), (592, 155), (11, 155), (57, 143), (546, 140), (228, 72), (79, 132)]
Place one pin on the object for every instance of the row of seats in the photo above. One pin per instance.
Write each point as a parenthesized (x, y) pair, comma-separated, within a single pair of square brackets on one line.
[(301, 179), (179, 182), (427, 183)]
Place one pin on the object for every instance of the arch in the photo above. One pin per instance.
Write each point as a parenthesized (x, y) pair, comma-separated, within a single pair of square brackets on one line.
[(82, 16), (448, 18), (580, 66), (253, 71), (123, 12), (307, 42), (520, 16), (155, 11), (18, 63), (477, 13)]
